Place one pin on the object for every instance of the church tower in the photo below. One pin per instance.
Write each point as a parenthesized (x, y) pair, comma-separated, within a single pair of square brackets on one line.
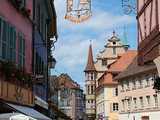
[(90, 85)]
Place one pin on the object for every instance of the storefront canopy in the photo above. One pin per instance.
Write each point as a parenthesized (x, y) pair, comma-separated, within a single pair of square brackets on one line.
[(29, 112), (15, 116)]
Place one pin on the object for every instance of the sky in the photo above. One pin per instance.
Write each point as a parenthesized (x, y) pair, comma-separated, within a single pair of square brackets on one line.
[(71, 49)]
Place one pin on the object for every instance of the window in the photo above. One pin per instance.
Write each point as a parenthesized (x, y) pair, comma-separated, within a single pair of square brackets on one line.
[(135, 102), (123, 105), (155, 100), (92, 101), (127, 83), (7, 41), (129, 104), (122, 87), (115, 91), (4, 40), (141, 102), (140, 84), (147, 81), (114, 51), (148, 100), (104, 62), (92, 89), (92, 76), (12, 44), (134, 85), (0, 37), (88, 90), (21, 50), (115, 106)]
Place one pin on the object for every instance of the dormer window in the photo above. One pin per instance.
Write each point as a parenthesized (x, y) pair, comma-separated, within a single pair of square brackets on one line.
[(104, 62)]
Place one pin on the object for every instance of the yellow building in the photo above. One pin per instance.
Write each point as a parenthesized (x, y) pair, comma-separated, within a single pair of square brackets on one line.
[(107, 105)]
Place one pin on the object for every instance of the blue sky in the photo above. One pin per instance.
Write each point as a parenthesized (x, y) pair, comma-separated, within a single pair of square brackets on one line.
[(71, 48)]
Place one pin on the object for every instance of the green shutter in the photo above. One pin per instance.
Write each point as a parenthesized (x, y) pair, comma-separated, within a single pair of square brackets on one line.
[(4, 41), (21, 50), (0, 38)]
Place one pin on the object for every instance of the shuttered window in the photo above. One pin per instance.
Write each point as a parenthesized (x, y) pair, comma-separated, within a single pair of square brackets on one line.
[(4, 40), (21, 50), (0, 38), (12, 44), (7, 41)]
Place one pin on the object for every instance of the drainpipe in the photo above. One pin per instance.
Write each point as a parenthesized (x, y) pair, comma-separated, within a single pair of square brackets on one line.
[(33, 49)]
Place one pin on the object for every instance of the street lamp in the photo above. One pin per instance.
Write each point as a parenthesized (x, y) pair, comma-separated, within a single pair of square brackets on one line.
[(52, 62)]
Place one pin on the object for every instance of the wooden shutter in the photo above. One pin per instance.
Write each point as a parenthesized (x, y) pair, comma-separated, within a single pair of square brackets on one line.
[(4, 41), (21, 50), (0, 38)]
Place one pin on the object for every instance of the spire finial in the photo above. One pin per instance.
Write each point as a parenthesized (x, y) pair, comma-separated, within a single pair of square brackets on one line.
[(114, 33), (90, 42)]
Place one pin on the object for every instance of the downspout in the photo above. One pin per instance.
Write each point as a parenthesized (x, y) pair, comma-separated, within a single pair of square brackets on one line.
[(33, 49)]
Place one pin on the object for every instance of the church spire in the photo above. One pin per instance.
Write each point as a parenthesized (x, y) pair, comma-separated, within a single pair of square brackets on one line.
[(90, 63)]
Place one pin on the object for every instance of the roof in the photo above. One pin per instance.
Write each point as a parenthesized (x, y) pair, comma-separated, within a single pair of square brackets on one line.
[(90, 63), (124, 60), (135, 69), (66, 80), (115, 68)]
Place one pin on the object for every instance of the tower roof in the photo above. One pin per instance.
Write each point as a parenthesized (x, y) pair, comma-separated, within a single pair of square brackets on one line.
[(90, 63)]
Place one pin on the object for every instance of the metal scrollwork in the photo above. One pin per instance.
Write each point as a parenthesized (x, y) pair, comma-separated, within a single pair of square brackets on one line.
[(129, 6)]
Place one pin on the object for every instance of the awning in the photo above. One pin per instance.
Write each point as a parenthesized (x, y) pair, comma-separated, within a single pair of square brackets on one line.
[(29, 111), (15, 116)]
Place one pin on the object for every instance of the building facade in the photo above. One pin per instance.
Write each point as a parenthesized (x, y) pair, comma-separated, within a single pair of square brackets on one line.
[(71, 98), (148, 20), (43, 30), (112, 49), (107, 103), (16, 52), (137, 98), (94, 70)]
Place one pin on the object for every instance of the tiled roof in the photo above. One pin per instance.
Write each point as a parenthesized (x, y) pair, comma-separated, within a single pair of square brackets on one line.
[(123, 61), (65, 80), (90, 63), (135, 69), (115, 68)]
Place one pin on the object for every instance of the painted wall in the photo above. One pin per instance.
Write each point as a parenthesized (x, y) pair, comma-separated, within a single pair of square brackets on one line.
[(22, 24)]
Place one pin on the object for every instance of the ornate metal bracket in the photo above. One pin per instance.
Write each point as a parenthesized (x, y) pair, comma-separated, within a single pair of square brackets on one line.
[(129, 6)]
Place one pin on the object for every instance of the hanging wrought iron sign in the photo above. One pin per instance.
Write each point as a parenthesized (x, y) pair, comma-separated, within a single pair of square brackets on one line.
[(129, 6), (78, 10)]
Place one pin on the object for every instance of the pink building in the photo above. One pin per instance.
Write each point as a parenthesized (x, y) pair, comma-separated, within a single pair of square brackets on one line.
[(15, 54), (17, 17)]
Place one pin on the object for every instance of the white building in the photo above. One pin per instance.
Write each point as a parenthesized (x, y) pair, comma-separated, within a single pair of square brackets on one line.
[(137, 98)]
